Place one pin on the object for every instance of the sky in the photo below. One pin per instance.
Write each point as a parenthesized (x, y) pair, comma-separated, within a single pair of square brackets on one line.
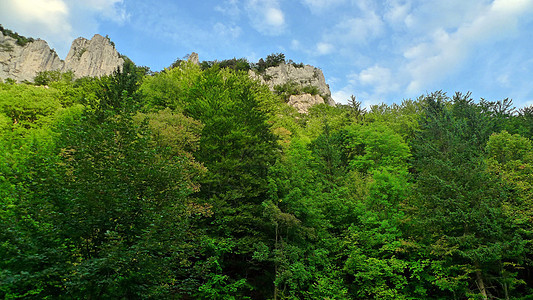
[(379, 51)]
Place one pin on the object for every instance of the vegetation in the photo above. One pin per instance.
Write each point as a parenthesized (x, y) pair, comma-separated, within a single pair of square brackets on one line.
[(20, 40), (199, 183), (242, 64), (48, 77), (292, 88)]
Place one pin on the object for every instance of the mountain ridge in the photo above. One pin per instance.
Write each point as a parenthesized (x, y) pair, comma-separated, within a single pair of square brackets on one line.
[(21, 59)]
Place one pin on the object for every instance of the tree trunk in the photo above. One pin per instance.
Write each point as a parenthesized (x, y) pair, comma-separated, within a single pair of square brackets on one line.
[(480, 283), (276, 267)]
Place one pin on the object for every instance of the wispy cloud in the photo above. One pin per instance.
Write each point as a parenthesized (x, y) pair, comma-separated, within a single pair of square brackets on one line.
[(230, 8), (324, 48), (113, 10), (227, 31), (322, 6), (266, 16), (37, 17), (444, 50), (397, 13), (362, 28)]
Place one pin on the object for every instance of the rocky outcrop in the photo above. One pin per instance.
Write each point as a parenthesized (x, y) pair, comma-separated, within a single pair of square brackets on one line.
[(302, 75), (23, 63), (303, 102), (95, 57), (193, 58)]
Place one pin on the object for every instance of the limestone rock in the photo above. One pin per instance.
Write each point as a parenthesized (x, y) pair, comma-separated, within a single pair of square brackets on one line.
[(303, 102), (23, 63), (193, 58), (94, 58), (304, 76)]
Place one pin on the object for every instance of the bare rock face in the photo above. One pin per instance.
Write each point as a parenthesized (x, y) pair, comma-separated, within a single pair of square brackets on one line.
[(193, 58), (23, 62), (93, 58), (303, 102), (304, 76)]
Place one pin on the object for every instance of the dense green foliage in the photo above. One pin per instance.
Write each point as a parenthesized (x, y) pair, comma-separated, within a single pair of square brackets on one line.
[(242, 64), (199, 183)]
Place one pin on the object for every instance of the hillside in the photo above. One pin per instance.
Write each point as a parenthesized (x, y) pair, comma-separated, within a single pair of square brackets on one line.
[(201, 182), (21, 59)]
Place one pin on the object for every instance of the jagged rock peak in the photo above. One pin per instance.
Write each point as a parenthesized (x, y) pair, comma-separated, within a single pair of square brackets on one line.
[(193, 58), (95, 57), (23, 62)]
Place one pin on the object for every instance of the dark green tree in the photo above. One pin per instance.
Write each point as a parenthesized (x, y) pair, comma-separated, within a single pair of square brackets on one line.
[(459, 206)]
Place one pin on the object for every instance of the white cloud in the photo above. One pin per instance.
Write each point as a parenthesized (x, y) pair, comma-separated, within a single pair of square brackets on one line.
[(379, 78), (367, 26), (229, 8), (324, 48), (295, 45), (226, 31), (113, 10), (59, 21), (443, 52), (35, 17), (341, 96), (275, 17), (266, 16), (371, 86), (398, 13)]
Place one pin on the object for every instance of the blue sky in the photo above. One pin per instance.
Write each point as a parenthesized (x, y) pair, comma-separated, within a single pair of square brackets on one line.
[(379, 51)]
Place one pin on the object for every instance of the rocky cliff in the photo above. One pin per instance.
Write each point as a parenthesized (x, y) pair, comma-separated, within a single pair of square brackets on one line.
[(304, 101), (301, 75), (95, 57)]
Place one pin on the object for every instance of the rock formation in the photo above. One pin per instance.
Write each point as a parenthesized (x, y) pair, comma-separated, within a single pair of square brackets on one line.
[(193, 58), (303, 76), (95, 57), (23, 63), (303, 102)]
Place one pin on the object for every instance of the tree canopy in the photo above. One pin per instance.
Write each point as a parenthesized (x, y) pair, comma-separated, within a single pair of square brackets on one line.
[(198, 182)]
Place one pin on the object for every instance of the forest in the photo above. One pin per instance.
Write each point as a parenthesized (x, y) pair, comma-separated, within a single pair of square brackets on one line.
[(197, 182)]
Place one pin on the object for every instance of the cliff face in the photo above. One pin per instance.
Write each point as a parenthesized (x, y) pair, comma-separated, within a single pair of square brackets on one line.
[(95, 57), (303, 76), (23, 63)]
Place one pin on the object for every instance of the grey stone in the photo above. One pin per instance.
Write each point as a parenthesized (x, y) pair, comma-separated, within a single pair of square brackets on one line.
[(95, 57), (304, 76), (23, 63), (303, 102), (193, 58)]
